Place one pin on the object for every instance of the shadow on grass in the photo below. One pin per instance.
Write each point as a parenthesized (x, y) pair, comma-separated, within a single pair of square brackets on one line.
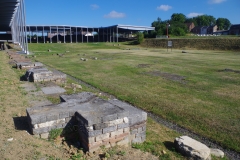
[(132, 43), (21, 123), (169, 145)]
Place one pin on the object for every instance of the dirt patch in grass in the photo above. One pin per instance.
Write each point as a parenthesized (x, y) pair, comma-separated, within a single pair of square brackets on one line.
[(144, 65), (169, 76), (229, 70)]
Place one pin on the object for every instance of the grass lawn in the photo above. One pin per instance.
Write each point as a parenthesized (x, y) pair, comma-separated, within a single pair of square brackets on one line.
[(199, 90)]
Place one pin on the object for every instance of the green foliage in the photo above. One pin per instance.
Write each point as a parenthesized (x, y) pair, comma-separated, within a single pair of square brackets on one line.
[(178, 17), (140, 37), (204, 20), (77, 156), (178, 32), (53, 134), (223, 23)]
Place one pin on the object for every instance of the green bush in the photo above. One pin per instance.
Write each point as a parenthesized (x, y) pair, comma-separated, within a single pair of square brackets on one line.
[(53, 134), (140, 37), (178, 32)]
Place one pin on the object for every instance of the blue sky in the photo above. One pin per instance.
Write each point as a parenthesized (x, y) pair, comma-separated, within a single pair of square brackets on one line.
[(97, 13)]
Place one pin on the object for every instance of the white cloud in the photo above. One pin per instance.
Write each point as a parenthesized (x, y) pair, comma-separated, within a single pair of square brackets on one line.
[(215, 1), (164, 7), (115, 14), (94, 6), (193, 14)]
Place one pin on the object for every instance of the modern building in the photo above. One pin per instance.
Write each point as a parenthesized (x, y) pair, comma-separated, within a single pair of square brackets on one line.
[(13, 23), (13, 29), (234, 29)]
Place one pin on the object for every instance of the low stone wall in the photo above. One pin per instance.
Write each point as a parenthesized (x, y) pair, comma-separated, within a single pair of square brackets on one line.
[(41, 74), (201, 43), (99, 122)]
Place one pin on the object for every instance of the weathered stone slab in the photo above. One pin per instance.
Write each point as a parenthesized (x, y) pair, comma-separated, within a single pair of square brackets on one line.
[(217, 152), (53, 90), (192, 148)]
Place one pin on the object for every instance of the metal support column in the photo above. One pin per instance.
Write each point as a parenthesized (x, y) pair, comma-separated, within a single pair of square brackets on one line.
[(117, 34), (71, 34), (43, 35), (76, 35), (30, 36), (64, 34), (37, 33), (87, 35), (50, 34), (57, 35), (93, 34), (98, 35), (82, 34)]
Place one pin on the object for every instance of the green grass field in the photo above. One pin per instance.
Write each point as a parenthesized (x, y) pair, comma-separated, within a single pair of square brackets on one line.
[(199, 90)]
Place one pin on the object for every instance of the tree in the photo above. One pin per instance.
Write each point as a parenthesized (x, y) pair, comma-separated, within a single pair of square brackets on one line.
[(205, 20), (178, 17), (140, 37), (223, 23)]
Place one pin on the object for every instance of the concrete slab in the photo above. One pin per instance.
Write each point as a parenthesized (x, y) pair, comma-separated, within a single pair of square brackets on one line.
[(53, 90)]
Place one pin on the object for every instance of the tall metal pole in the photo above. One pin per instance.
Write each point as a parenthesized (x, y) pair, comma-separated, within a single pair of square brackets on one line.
[(26, 40), (57, 35), (50, 34), (37, 33), (117, 34), (43, 35), (70, 34), (87, 35), (93, 34), (82, 34), (30, 36), (76, 35), (64, 33)]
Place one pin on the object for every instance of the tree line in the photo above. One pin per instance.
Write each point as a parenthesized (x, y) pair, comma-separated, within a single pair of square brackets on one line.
[(178, 25)]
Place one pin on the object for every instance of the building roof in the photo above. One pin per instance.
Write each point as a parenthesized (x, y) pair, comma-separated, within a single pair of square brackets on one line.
[(7, 10), (121, 28)]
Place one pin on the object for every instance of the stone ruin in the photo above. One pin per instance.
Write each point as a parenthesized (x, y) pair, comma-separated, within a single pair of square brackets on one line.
[(44, 75), (99, 122), (35, 71)]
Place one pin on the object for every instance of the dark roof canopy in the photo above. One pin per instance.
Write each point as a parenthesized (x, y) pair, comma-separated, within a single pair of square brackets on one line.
[(7, 10)]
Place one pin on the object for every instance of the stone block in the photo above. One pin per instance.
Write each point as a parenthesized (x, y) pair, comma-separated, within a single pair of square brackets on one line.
[(63, 115), (92, 139), (134, 131), (137, 140), (115, 133), (102, 137), (122, 135), (109, 118), (94, 133), (52, 116), (44, 135), (115, 122), (126, 130), (123, 125), (125, 120), (40, 130), (191, 148), (109, 129), (124, 142), (100, 126), (141, 134)]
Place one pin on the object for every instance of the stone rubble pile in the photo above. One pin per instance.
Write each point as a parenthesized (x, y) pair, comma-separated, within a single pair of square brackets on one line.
[(99, 122)]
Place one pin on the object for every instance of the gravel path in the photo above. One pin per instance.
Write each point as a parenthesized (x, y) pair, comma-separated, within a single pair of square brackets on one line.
[(233, 155)]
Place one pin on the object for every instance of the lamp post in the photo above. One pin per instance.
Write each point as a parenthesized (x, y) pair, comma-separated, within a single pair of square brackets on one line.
[(168, 25)]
